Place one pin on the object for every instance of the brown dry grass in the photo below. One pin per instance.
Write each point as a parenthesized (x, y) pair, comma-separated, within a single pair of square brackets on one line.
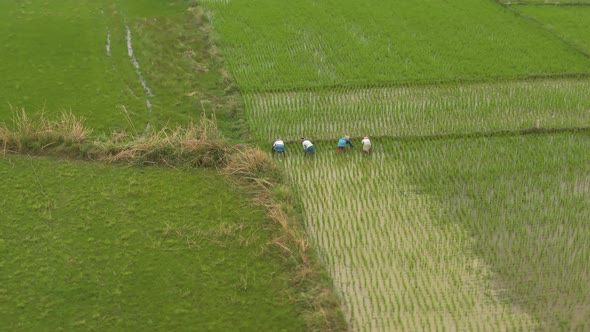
[(33, 133), (255, 171), (70, 128), (200, 145)]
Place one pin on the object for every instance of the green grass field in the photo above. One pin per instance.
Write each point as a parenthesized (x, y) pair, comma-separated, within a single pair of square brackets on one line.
[(95, 247), (86, 246), (59, 56)]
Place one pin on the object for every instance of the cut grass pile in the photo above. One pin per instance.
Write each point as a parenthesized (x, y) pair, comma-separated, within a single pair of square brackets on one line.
[(90, 246)]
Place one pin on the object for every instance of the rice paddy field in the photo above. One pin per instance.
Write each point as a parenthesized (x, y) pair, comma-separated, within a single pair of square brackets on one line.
[(409, 111), (459, 234), (472, 211), (306, 43), (567, 22)]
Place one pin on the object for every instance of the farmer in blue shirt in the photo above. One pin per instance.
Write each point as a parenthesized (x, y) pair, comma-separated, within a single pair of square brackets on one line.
[(343, 142)]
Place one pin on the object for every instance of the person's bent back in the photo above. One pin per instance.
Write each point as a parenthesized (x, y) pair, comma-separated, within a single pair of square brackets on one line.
[(343, 142), (366, 145), (278, 146), (308, 148)]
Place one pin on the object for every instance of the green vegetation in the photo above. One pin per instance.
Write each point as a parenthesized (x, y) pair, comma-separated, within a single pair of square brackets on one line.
[(58, 57), (54, 59), (464, 234), (111, 247), (550, 3), (86, 246), (183, 149), (305, 43), (567, 22), (449, 109), (525, 203), (462, 221), (456, 221)]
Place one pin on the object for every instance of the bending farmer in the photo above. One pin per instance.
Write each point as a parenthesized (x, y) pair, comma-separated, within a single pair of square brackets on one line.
[(308, 148), (278, 147), (343, 142), (366, 145)]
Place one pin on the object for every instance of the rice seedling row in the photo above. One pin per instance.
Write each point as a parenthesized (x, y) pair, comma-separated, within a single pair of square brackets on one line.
[(420, 110), (305, 43), (457, 234), (395, 266)]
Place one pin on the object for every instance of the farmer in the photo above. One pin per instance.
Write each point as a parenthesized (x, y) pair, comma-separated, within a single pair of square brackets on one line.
[(278, 147), (343, 142), (308, 148), (366, 145)]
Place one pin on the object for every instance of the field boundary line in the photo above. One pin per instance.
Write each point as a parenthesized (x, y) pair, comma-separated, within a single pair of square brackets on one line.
[(414, 83), (540, 3), (499, 133)]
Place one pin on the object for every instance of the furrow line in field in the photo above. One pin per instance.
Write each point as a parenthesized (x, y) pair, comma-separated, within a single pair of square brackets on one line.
[(544, 3), (108, 42), (134, 62), (142, 81)]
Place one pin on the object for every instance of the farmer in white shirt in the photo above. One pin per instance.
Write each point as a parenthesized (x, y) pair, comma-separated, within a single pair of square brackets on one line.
[(308, 148), (278, 147), (366, 143)]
